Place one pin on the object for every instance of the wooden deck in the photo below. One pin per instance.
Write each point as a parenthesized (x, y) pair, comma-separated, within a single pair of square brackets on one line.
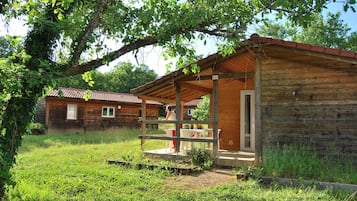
[(223, 158)]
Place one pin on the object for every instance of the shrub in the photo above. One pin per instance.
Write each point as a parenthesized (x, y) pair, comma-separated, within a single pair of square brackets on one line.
[(201, 157), (37, 129)]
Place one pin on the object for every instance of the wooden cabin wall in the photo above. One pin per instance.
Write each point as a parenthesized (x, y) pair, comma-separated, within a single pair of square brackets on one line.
[(229, 111), (89, 115), (56, 116), (130, 113), (94, 119), (305, 104), (185, 111)]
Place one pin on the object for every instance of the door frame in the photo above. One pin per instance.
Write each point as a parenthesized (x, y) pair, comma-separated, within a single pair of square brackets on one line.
[(243, 94)]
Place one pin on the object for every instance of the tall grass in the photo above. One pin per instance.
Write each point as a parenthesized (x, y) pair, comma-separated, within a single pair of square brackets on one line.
[(304, 163), (73, 167)]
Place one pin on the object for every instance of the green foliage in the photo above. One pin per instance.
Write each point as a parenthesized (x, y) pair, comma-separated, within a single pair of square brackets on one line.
[(202, 111), (122, 78), (201, 157), (301, 162), (330, 32), (253, 171), (6, 47), (227, 49), (37, 129)]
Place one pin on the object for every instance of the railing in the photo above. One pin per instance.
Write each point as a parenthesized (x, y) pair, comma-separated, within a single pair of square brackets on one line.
[(204, 135)]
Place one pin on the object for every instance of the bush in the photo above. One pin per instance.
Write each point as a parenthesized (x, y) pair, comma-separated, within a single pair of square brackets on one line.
[(201, 157), (37, 129)]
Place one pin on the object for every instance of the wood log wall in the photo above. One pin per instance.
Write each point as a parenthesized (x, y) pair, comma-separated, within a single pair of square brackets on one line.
[(89, 115), (307, 104)]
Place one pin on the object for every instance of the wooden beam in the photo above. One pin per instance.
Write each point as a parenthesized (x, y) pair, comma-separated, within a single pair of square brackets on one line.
[(158, 99), (165, 137), (179, 121), (317, 54), (258, 111), (152, 87), (224, 76), (215, 114), (196, 87), (181, 110), (178, 114), (223, 70)]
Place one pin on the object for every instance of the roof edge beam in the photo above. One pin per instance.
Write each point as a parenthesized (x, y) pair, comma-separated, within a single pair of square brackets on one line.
[(196, 87)]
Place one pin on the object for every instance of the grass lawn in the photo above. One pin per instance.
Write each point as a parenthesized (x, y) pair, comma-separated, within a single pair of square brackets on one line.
[(73, 167)]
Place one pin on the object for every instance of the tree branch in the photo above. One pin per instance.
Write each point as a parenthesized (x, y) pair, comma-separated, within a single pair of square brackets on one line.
[(74, 69), (79, 46), (91, 65), (218, 32)]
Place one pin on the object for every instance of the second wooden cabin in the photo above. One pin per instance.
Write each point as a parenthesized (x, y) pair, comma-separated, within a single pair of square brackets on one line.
[(68, 111)]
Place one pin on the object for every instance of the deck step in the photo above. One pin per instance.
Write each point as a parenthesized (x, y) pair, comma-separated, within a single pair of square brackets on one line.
[(234, 159)]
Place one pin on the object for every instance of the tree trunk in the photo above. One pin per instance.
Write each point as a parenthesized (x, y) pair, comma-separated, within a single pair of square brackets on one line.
[(14, 125)]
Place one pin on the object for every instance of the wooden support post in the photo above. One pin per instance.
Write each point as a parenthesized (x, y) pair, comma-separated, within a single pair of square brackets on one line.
[(215, 79), (178, 115), (182, 104), (258, 111), (143, 123)]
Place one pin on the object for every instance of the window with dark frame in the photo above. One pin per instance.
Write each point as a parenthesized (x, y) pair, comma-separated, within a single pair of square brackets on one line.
[(189, 112)]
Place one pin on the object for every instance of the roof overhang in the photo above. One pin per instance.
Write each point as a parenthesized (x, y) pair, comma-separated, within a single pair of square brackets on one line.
[(240, 65)]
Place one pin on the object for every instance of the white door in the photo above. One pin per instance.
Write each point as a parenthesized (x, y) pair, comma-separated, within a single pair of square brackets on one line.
[(247, 116)]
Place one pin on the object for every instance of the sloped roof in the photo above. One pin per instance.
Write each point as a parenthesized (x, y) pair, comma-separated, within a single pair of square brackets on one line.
[(98, 95), (162, 89), (304, 46), (193, 102)]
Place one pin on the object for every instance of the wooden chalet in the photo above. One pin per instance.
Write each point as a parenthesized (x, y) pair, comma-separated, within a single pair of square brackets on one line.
[(67, 111), (269, 92)]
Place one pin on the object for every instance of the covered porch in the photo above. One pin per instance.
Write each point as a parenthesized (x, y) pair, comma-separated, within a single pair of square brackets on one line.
[(229, 132)]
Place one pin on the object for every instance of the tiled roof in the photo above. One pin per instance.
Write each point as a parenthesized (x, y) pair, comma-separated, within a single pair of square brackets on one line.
[(304, 46), (98, 95), (193, 102)]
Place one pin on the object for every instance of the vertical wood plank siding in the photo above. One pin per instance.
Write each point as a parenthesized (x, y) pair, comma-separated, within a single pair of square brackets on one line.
[(307, 104)]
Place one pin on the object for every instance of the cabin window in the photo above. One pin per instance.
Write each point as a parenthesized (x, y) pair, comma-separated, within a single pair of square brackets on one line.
[(108, 112), (72, 111), (189, 112)]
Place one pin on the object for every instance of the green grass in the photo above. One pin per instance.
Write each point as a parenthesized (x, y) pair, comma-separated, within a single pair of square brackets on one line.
[(73, 167), (301, 162)]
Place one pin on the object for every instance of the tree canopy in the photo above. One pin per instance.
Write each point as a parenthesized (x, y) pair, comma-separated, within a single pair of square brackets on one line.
[(329, 32), (202, 111), (71, 37), (122, 78)]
